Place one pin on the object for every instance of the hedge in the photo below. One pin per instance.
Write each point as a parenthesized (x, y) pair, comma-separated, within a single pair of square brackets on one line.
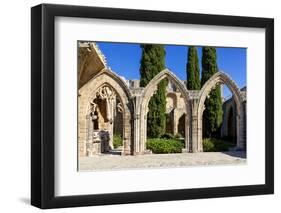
[(161, 145)]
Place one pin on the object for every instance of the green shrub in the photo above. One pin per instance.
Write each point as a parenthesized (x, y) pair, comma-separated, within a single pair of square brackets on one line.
[(117, 141), (208, 145), (161, 146), (216, 145)]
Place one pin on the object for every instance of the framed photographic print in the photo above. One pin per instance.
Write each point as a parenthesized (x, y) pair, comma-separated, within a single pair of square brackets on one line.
[(139, 106)]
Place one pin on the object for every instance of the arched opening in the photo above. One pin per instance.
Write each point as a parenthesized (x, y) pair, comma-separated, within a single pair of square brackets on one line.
[(105, 122), (237, 117), (107, 116), (175, 107)]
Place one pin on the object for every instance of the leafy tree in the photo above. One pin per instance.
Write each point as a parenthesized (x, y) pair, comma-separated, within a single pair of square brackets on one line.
[(212, 116), (153, 62), (192, 70)]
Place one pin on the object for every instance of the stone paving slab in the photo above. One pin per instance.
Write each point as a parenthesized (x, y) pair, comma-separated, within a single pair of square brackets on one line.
[(117, 162)]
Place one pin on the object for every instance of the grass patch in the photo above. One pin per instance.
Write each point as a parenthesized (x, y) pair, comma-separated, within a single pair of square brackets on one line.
[(163, 145), (216, 145)]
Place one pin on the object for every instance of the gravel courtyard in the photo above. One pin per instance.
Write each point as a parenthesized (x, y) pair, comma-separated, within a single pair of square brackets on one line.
[(117, 162)]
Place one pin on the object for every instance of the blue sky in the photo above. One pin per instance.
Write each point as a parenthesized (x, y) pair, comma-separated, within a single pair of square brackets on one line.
[(124, 59)]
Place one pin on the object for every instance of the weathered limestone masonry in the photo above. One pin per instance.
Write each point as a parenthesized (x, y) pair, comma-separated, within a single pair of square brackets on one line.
[(102, 94), (229, 122)]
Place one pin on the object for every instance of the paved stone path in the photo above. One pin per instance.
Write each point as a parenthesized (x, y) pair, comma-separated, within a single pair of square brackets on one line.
[(117, 162)]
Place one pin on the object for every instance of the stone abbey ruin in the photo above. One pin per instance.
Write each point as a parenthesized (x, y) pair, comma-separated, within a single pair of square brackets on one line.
[(107, 103)]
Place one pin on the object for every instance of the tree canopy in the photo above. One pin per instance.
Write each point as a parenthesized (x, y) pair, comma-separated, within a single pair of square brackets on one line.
[(192, 69), (153, 62), (212, 116)]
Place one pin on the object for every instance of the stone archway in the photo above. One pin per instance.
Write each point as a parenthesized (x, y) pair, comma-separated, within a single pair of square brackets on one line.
[(218, 79), (105, 79), (142, 107)]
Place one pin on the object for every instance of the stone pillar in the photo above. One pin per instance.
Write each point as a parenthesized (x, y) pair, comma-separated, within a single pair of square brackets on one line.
[(136, 133), (199, 134), (241, 128), (145, 132), (175, 121), (196, 131), (186, 126), (244, 126), (137, 125), (127, 128), (111, 107), (142, 132), (89, 134)]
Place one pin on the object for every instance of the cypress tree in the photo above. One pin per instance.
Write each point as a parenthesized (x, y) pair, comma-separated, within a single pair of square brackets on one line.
[(192, 69), (212, 116), (153, 62)]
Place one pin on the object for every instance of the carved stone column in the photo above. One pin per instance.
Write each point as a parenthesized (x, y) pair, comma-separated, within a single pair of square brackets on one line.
[(137, 123), (241, 128), (89, 134), (145, 132), (196, 130), (111, 108), (187, 142), (195, 133), (175, 121), (244, 126)]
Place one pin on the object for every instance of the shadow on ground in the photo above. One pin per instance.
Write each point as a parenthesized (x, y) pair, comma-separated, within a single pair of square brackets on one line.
[(25, 200), (238, 154)]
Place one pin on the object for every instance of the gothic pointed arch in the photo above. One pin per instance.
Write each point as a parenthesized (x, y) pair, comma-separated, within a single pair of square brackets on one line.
[(216, 80), (106, 79), (151, 87), (148, 92)]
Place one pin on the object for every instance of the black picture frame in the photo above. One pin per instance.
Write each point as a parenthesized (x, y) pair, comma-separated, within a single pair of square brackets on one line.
[(43, 102)]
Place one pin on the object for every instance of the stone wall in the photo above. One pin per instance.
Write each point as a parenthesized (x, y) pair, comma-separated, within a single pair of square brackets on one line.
[(228, 128)]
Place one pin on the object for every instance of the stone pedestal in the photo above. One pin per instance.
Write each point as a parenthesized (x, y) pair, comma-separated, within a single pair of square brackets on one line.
[(99, 143), (93, 148)]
